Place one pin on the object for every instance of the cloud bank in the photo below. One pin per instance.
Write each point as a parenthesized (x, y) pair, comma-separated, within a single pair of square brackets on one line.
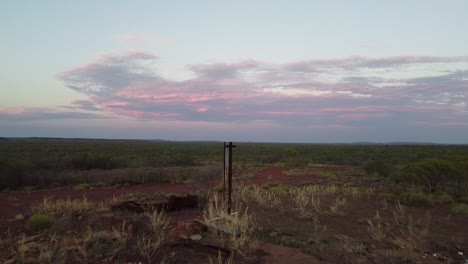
[(342, 92), (360, 93)]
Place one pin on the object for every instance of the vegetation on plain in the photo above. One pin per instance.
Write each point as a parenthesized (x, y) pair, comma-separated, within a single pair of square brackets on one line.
[(373, 203)]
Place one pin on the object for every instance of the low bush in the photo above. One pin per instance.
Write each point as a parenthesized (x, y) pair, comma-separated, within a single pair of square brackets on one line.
[(279, 189), (464, 199), (246, 176), (11, 174), (416, 199), (89, 161), (457, 184), (432, 174), (459, 208), (141, 175), (40, 222), (379, 167), (82, 186), (389, 196), (441, 197)]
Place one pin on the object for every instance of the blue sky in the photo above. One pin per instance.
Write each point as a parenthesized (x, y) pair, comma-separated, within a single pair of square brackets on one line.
[(302, 71)]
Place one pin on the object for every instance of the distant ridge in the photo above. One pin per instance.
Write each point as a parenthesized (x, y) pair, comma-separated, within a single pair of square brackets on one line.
[(400, 143), (358, 143)]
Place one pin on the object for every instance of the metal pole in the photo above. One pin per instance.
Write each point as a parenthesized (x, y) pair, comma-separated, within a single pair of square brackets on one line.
[(224, 172), (230, 179)]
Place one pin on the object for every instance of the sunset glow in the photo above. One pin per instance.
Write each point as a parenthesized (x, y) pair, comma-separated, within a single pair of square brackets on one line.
[(380, 84)]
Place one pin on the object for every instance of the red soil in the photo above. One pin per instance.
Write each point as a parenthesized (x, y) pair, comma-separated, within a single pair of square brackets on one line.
[(275, 175), (20, 202)]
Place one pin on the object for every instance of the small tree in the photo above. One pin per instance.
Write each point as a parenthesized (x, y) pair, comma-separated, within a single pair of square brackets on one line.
[(293, 159), (457, 185), (379, 167), (432, 173)]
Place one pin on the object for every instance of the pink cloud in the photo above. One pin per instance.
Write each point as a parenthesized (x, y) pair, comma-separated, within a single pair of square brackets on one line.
[(12, 111), (287, 113), (362, 116), (141, 114), (387, 108), (202, 109), (366, 62), (443, 124), (126, 85)]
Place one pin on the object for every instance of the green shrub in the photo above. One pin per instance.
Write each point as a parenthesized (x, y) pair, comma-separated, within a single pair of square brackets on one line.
[(388, 196), (379, 167), (459, 208), (464, 199), (181, 160), (269, 185), (430, 173), (293, 159), (246, 176), (30, 188), (416, 199), (82, 186), (40, 222), (441, 197), (90, 161), (279, 189), (457, 185), (11, 174)]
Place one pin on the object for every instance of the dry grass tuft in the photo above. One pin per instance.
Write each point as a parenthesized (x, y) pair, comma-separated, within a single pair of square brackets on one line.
[(147, 247), (63, 206), (239, 224), (377, 229), (220, 260), (337, 207)]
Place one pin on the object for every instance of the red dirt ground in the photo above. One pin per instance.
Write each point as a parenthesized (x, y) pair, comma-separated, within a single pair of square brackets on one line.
[(20, 202), (275, 175)]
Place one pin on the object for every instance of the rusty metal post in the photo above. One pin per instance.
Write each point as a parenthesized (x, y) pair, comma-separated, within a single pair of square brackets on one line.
[(224, 172), (230, 146)]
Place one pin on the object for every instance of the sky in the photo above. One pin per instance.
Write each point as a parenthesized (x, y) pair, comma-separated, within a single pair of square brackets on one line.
[(265, 71)]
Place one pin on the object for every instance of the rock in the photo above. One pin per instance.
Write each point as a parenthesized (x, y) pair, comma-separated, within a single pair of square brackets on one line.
[(177, 203), (460, 253), (130, 206), (62, 225), (273, 234), (108, 215), (10, 261), (439, 256), (196, 237), (107, 236), (30, 238)]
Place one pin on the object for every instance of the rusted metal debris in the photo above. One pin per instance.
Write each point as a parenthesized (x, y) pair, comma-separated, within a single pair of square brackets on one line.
[(172, 203), (214, 224)]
